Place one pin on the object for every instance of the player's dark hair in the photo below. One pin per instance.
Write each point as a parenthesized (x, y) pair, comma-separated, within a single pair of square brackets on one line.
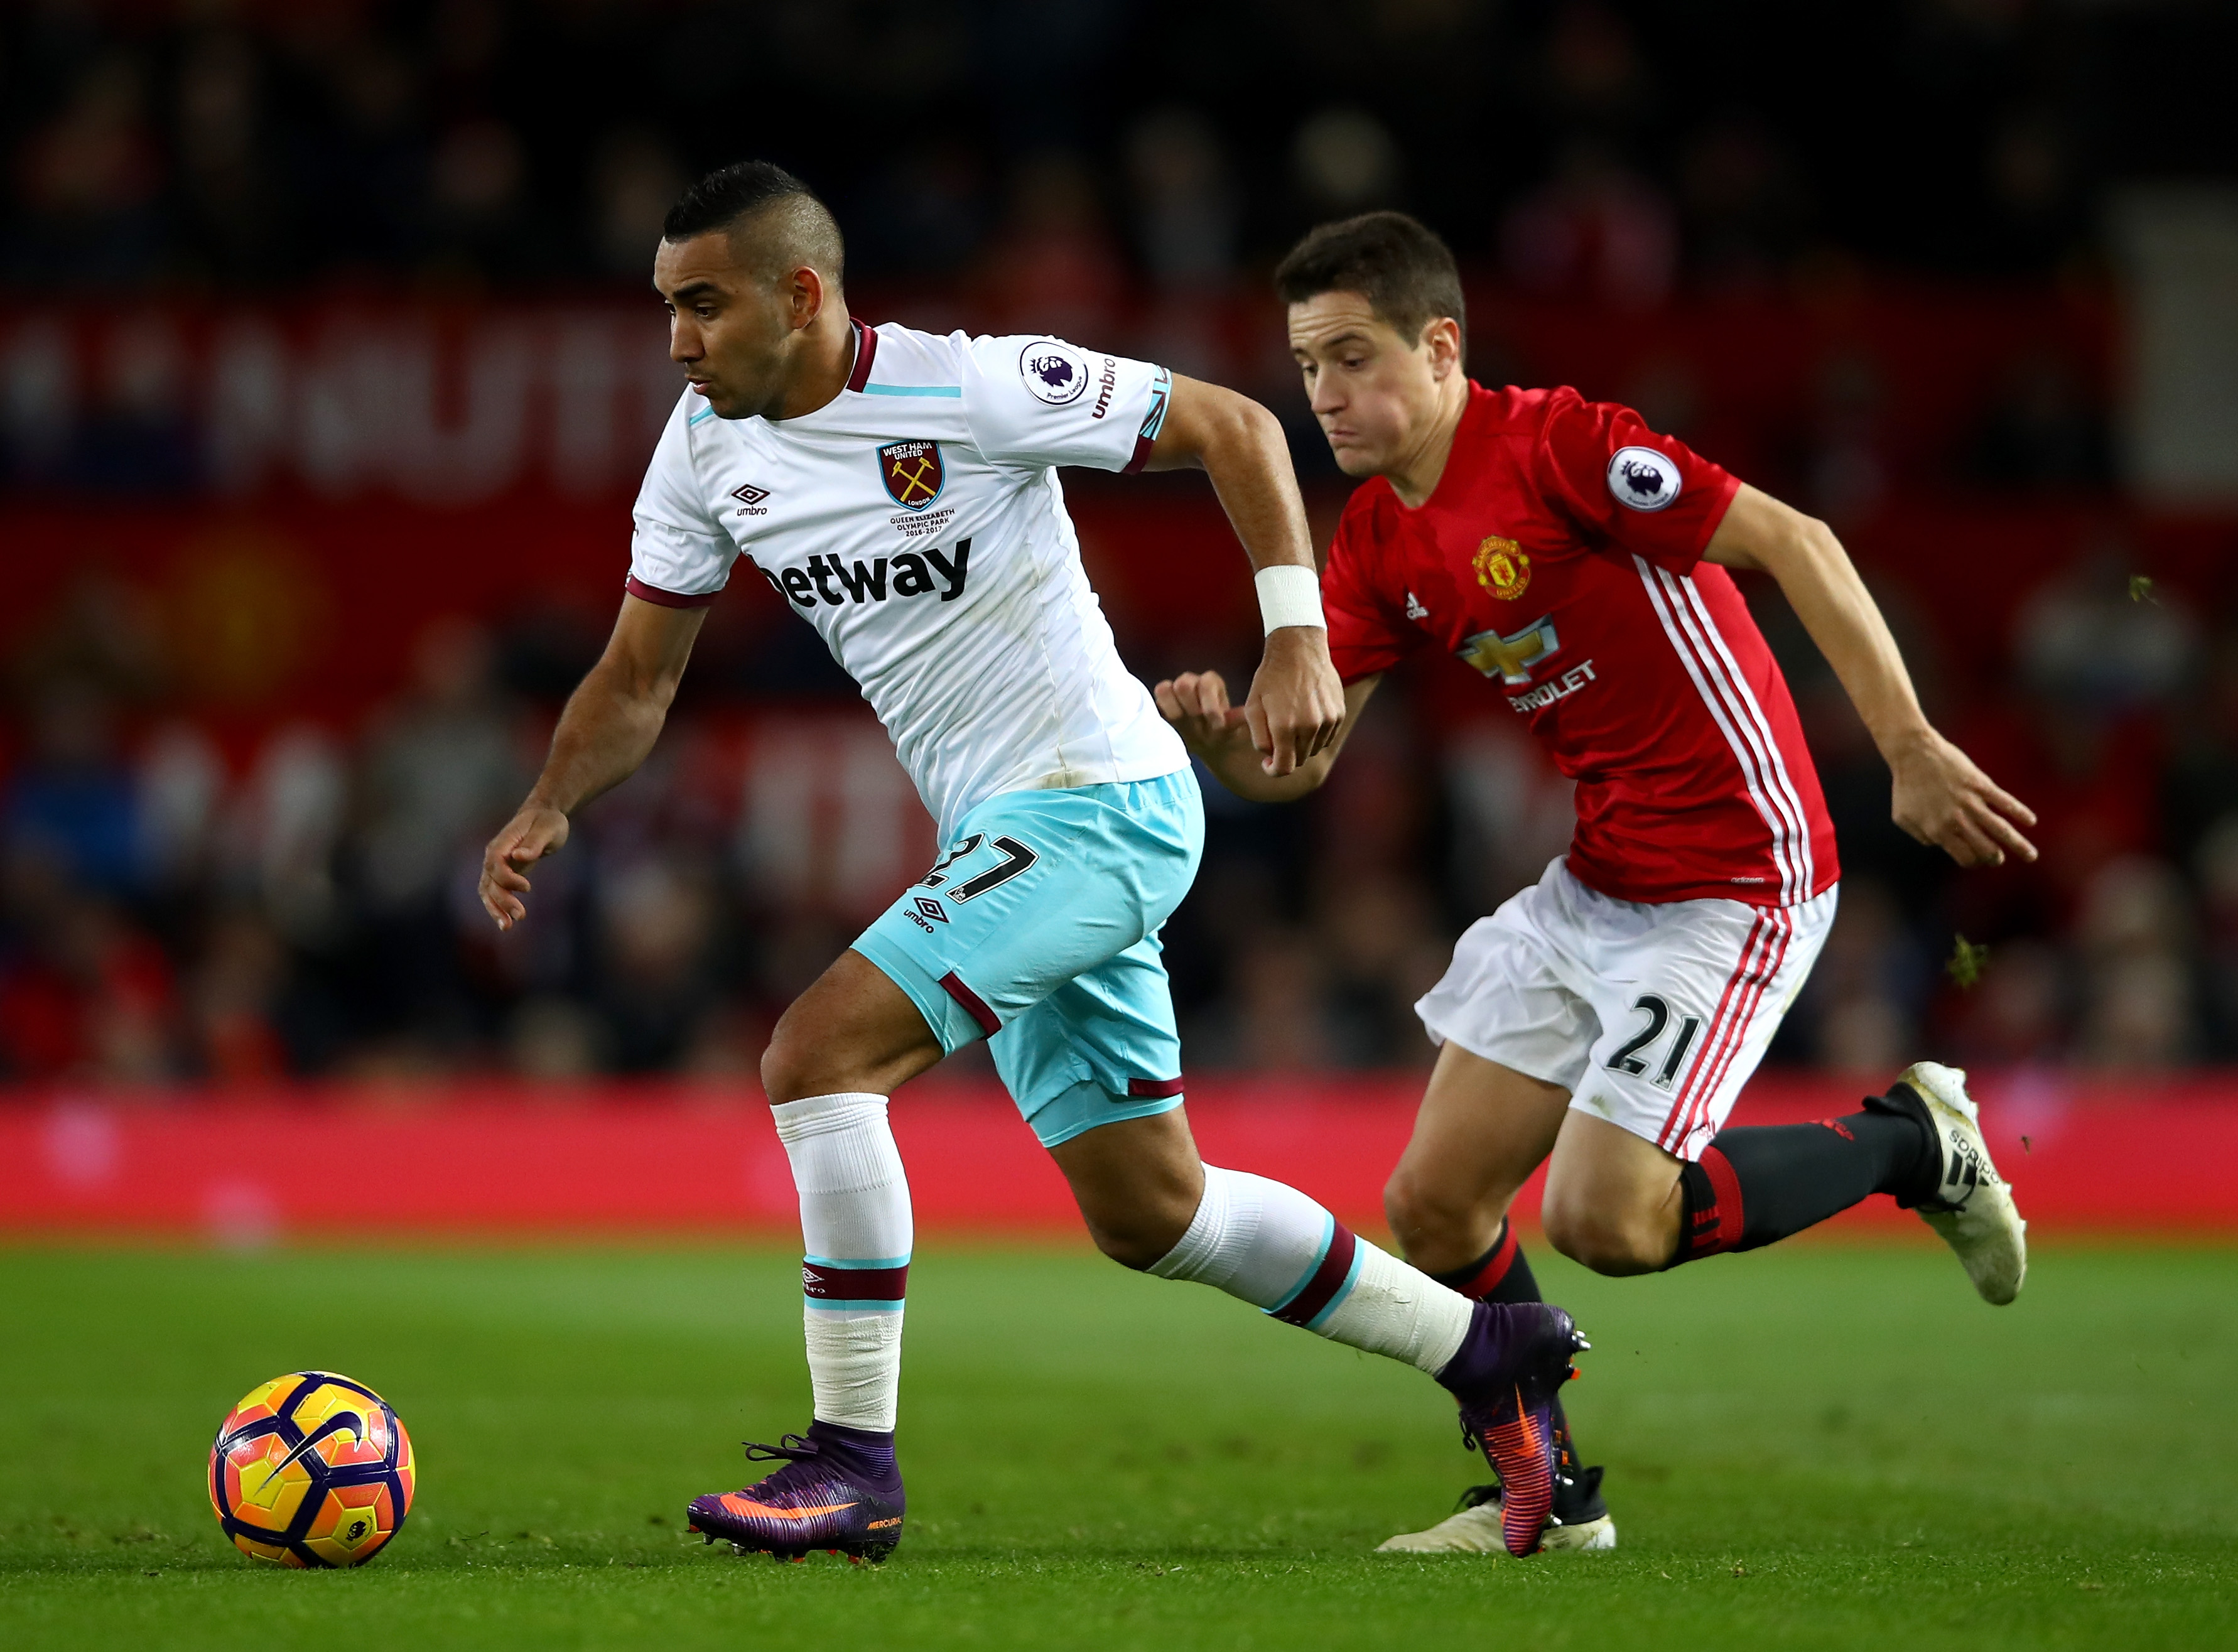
[(729, 196), (1397, 263)]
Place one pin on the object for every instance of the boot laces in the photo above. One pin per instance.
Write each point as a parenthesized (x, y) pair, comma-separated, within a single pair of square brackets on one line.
[(801, 1458), (790, 1448)]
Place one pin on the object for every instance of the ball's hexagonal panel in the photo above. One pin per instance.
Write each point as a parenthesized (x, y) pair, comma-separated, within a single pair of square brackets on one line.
[(351, 1524)]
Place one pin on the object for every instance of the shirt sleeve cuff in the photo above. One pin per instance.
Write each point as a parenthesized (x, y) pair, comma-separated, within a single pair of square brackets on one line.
[(1153, 420), (654, 594), (1714, 518)]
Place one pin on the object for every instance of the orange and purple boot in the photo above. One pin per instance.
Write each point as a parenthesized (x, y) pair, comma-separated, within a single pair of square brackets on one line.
[(1506, 1374), (837, 1490)]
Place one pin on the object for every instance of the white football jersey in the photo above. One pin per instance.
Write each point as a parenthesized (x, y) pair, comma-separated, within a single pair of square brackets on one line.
[(917, 522)]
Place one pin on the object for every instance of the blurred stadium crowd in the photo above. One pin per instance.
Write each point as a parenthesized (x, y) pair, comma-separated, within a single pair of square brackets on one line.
[(260, 143), (171, 911), (193, 889)]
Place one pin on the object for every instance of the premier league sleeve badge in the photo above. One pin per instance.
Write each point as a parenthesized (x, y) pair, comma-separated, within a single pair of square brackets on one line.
[(1053, 372), (1642, 478)]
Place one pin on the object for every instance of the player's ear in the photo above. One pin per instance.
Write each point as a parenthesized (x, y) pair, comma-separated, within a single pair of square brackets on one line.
[(804, 294), (1442, 339)]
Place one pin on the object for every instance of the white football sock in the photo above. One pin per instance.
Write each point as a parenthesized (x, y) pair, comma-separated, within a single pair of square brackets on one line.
[(1281, 1252), (1396, 1309), (856, 1227)]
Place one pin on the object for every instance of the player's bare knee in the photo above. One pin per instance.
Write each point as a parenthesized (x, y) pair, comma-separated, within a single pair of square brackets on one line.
[(1136, 1238), (1423, 1215), (1129, 1250), (1137, 1224), (1608, 1242), (1138, 1184), (1630, 1252), (1604, 1250), (1404, 1208), (780, 1070), (795, 1066)]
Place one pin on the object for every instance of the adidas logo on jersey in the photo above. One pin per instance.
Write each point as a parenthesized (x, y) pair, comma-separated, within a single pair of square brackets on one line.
[(834, 581), (1414, 609)]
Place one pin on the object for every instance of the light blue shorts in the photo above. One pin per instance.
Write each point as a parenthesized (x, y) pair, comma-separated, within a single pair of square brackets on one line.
[(1039, 931)]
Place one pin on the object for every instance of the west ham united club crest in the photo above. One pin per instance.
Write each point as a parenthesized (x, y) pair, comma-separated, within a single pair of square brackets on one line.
[(911, 472)]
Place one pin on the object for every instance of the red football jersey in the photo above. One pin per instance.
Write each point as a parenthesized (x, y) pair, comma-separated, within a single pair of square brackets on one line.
[(1560, 555)]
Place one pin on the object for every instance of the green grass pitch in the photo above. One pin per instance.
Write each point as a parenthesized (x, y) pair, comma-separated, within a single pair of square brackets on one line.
[(1822, 1446)]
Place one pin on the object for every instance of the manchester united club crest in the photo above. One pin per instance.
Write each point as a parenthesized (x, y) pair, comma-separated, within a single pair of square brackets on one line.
[(1503, 568), (912, 471)]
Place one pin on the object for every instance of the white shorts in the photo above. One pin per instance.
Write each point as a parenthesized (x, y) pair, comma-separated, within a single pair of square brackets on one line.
[(1652, 1017)]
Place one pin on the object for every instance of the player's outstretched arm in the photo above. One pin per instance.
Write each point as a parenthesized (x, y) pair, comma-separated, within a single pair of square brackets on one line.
[(1940, 796), (1296, 704), (607, 730), (1196, 703)]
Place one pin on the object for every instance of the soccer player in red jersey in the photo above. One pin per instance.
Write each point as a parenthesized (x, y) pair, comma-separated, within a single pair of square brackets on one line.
[(1604, 1020)]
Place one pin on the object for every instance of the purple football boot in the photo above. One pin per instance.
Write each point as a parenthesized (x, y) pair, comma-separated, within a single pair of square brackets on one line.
[(1506, 1374), (838, 1490)]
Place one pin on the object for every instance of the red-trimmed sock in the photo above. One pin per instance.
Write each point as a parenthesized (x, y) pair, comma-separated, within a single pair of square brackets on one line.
[(1501, 1274), (1762, 1182)]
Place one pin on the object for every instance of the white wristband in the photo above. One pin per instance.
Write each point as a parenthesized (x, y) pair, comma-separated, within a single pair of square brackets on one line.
[(1289, 596)]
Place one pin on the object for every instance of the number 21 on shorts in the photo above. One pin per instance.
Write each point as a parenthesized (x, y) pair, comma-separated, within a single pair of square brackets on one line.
[(1638, 1051)]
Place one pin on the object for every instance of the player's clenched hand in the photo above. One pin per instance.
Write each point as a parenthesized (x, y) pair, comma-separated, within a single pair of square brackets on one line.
[(1940, 797), (530, 835), (1196, 703), (1296, 705)]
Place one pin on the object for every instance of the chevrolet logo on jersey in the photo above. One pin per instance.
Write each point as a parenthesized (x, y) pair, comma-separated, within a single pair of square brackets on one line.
[(1511, 657), (912, 471)]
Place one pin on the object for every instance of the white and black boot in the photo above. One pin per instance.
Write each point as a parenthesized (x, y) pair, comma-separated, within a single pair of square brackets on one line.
[(1579, 1524), (1971, 1207)]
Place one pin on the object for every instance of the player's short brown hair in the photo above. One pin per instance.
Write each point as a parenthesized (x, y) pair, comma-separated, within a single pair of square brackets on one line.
[(1397, 263)]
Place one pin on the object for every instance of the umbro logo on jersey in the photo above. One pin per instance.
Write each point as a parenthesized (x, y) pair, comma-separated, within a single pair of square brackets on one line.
[(834, 581), (750, 499), (1511, 657), (1106, 382), (912, 473)]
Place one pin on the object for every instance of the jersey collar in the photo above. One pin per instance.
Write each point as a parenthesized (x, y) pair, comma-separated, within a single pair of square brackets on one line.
[(866, 350)]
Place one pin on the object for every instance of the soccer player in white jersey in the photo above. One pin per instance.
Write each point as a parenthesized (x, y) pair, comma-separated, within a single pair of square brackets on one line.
[(899, 490)]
